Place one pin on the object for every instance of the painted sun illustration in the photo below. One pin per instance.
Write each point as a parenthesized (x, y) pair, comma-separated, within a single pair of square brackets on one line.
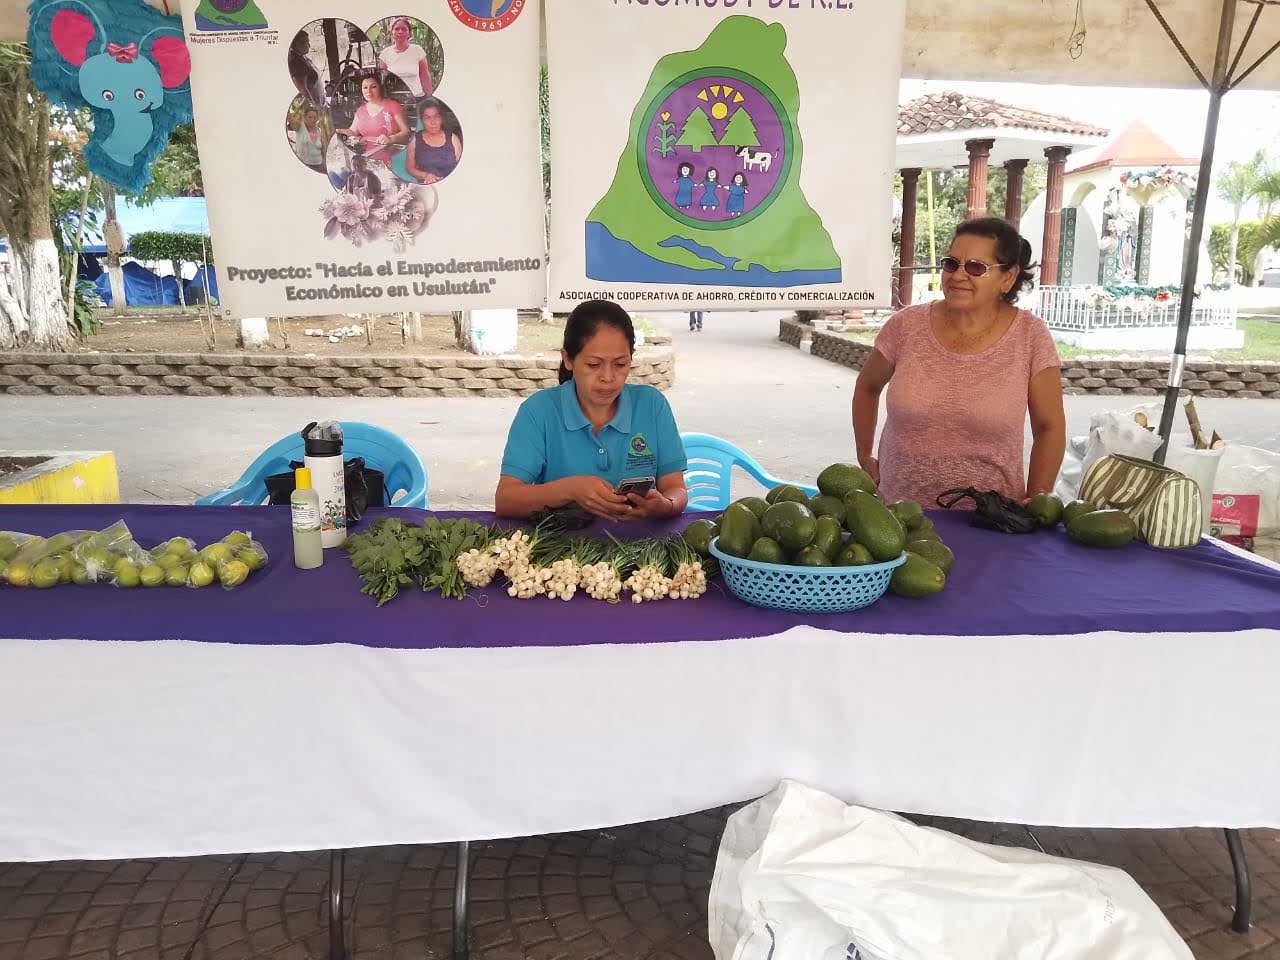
[(723, 95)]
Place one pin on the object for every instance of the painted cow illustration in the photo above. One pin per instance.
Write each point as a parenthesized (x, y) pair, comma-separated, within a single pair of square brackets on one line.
[(753, 158)]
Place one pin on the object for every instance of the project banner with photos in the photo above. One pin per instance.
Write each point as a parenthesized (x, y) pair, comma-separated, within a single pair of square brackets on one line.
[(364, 157), (736, 154)]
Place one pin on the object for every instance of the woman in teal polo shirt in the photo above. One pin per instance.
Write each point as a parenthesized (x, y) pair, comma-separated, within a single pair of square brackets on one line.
[(577, 442)]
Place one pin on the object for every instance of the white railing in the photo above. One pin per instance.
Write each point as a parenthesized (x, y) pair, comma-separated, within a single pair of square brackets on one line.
[(1087, 309)]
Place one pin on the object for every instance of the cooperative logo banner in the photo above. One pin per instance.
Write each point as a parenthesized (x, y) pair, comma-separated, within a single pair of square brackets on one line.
[(724, 153), (369, 157)]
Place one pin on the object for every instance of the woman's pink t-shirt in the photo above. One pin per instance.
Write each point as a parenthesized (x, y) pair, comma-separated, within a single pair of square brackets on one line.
[(954, 419)]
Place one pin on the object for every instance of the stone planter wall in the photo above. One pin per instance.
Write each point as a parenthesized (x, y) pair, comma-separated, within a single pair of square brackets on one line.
[(1104, 376), (794, 332), (285, 375)]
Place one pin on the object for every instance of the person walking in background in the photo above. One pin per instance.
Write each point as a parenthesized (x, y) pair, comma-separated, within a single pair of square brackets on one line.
[(695, 320)]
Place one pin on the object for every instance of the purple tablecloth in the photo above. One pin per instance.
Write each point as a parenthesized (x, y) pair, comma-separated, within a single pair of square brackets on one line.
[(1001, 585)]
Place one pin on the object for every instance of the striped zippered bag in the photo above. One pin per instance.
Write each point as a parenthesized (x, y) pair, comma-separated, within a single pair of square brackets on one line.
[(1164, 503)]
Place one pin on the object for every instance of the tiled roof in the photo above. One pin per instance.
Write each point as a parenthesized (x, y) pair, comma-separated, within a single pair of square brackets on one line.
[(1139, 146), (945, 112)]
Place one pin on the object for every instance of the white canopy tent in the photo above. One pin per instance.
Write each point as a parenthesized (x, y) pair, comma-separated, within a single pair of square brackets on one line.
[(1030, 41)]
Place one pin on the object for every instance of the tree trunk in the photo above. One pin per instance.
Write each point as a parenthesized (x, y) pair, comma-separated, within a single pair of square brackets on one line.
[(114, 240), (1231, 256), (40, 294), (13, 321)]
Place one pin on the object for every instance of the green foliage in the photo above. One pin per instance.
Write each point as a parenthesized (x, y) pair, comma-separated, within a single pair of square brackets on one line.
[(1246, 252), (84, 317), (178, 247)]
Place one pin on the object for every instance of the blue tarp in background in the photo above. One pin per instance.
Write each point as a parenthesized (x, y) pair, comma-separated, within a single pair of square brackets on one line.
[(142, 288)]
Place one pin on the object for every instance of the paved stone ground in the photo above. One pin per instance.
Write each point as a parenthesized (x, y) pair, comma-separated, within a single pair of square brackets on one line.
[(735, 380), (630, 893)]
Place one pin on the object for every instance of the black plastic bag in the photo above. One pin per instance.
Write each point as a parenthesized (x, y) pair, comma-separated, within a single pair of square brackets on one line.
[(365, 487), (562, 519), (993, 511)]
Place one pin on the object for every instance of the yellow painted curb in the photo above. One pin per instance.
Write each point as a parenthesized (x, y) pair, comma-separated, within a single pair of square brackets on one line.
[(79, 477)]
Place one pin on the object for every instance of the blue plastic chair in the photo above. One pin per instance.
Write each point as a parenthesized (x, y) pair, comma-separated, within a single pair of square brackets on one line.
[(404, 474), (710, 471)]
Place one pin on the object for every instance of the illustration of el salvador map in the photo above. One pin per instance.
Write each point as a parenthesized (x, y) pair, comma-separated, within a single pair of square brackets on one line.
[(708, 189)]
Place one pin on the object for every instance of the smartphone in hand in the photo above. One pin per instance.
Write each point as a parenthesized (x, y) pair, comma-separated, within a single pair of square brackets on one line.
[(637, 485)]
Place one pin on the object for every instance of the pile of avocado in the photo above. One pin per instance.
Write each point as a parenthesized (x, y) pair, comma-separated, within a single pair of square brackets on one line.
[(790, 528), (1086, 522)]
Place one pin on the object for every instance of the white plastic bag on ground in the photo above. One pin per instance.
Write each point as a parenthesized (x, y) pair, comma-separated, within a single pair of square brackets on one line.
[(1202, 467), (1246, 500), (803, 876), (1116, 431)]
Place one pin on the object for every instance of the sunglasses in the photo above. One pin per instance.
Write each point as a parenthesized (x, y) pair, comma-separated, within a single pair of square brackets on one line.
[(974, 268)]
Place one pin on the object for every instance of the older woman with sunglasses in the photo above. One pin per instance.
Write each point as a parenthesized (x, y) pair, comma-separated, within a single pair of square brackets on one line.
[(963, 373)]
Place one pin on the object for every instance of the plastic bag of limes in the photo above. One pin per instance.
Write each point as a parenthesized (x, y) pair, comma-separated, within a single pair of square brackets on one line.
[(113, 556), (229, 561), (28, 561), (109, 556)]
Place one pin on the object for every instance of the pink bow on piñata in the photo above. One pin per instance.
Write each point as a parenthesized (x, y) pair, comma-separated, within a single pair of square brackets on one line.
[(123, 53)]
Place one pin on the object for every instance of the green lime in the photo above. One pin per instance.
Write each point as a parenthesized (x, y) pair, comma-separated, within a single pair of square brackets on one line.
[(59, 544), (233, 573), (19, 574), (201, 574), (255, 558), (215, 554), (152, 575), (66, 567), (178, 547), (237, 538), (80, 576), (46, 574), (166, 560), (176, 576), (8, 549)]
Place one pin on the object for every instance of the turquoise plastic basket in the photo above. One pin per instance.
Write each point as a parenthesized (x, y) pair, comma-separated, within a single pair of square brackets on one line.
[(805, 589)]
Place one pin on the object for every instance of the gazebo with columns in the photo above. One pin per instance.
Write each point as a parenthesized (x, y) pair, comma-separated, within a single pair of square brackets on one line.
[(943, 131)]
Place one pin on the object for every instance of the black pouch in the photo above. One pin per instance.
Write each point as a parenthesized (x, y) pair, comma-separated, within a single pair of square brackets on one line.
[(993, 511), (365, 487)]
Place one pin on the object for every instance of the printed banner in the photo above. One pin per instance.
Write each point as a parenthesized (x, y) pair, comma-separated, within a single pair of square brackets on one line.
[(370, 155), (724, 153)]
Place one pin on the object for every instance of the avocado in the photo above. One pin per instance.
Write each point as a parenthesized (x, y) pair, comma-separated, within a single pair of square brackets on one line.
[(825, 505), (854, 554), (1047, 508), (765, 550), (935, 551), (873, 526), (828, 537), (792, 524), (698, 536), (739, 529), (908, 513), (841, 479), (1076, 508), (917, 578), (785, 492), (757, 505), (811, 557), (1103, 528)]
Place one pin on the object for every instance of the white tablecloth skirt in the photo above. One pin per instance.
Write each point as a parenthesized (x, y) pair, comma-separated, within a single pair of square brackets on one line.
[(117, 750)]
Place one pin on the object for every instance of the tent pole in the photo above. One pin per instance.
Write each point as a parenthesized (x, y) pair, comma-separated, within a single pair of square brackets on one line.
[(1191, 262)]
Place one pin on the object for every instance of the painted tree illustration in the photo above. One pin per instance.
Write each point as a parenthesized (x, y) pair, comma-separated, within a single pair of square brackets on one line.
[(697, 132), (740, 131)]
